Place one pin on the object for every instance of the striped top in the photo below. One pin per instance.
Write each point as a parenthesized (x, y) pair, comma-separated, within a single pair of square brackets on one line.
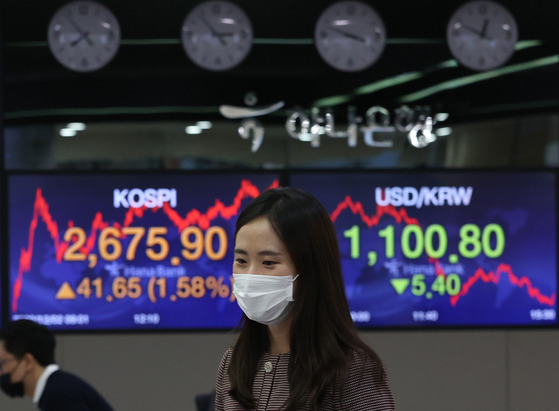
[(362, 391)]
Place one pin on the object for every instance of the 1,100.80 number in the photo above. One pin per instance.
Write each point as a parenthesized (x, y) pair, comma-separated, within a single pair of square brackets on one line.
[(194, 241), (434, 241)]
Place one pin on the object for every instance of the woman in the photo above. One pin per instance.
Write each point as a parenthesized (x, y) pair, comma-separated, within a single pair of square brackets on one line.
[(298, 348)]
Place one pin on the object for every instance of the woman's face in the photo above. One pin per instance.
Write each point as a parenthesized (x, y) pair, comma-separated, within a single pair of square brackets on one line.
[(259, 250)]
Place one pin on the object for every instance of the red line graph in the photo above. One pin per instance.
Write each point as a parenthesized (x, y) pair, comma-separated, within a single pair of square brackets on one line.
[(357, 208), (480, 275), (494, 277), (193, 217)]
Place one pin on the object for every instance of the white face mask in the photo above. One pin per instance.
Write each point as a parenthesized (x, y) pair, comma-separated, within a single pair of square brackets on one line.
[(264, 298)]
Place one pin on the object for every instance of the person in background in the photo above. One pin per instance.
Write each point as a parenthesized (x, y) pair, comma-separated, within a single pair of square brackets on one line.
[(27, 368), (298, 348)]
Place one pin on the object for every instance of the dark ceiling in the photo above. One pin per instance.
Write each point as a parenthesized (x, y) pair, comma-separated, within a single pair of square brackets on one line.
[(158, 74)]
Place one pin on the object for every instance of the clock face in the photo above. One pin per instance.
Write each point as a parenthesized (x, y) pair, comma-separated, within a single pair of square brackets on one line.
[(217, 35), (350, 35), (84, 35), (482, 35)]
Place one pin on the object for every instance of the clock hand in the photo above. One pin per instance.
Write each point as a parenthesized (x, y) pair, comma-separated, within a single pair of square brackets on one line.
[(225, 34), (83, 34), (349, 35), (214, 33), (472, 30), (480, 33), (484, 28)]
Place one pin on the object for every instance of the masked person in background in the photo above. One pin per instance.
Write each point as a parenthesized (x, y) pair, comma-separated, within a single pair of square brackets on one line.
[(27, 368), (298, 348)]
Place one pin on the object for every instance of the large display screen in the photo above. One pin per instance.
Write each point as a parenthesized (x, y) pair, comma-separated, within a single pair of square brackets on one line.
[(447, 249), (105, 252), (419, 248)]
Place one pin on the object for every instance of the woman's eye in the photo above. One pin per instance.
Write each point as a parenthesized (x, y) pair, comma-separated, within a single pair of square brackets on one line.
[(240, 260), (269, 263)]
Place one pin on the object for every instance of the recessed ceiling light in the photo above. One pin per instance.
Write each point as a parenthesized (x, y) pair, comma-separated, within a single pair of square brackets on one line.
[(76, 126), (67, 132), (204, 125), (193, 130)]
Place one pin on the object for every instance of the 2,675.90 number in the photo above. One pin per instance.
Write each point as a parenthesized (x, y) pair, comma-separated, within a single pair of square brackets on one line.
[(195, 242)]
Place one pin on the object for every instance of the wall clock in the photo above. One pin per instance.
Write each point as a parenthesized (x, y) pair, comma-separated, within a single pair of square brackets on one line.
[(350, 35), (482, 35), (217, 35), (83, 35)]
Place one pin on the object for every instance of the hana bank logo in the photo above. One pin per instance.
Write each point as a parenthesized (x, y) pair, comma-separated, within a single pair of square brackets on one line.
[(423, 196), (150, 197), (310, 125)]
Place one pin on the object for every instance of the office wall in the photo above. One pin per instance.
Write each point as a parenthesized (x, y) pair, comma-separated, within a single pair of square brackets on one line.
[(494, 370)]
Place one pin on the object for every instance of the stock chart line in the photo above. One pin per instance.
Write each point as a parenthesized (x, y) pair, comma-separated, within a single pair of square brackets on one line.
[(357, 208), (494, 277)]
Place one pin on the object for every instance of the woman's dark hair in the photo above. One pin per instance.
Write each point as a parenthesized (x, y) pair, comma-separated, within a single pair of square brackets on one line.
[(25, 336), (322, 334)]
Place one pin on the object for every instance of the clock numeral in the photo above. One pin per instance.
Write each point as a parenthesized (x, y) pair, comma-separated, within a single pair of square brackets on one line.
[(56, 35), (83, 9), (216, 8)]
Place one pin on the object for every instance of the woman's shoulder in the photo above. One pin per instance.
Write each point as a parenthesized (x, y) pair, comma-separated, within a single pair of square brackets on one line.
[(226, 357), (366, 384), (362, 359), (222, 373), (362, 365)]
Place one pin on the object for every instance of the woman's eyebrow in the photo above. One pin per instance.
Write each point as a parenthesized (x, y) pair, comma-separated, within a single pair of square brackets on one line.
[(269, 252), (260, 253)]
